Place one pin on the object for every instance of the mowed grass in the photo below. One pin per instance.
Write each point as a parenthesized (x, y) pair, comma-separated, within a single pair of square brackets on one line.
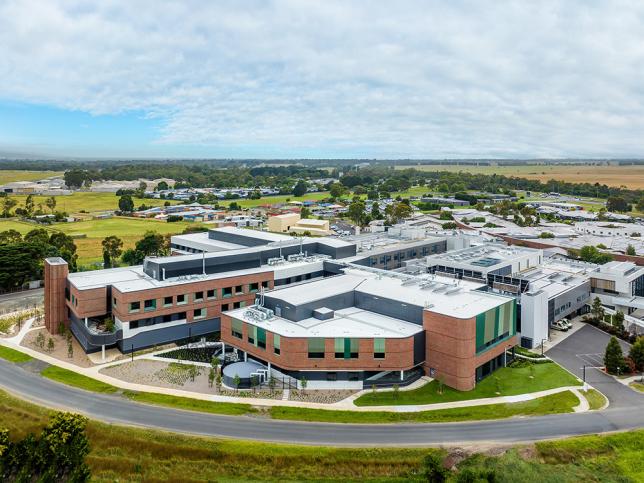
[(89, 248), (177, 402), (596, 399), (638, 386), (11, 175), (125, 454), (74, 379), (87, 201), (273, 200), (13, 355), (562, 402), (629, 176), (511, 381)]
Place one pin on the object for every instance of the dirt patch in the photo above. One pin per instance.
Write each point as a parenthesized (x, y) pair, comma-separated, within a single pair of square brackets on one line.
[(322, 396), (32, 340)]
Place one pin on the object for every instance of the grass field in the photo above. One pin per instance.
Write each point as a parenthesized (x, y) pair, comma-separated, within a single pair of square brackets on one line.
[(88, 202), (127, 454), (71, 378), (511, 381), (638, 386), (562, 402), (596, 399), (10, 175), (629, 176), (13, 355), (231, 409), (89, 248), (272, 200)]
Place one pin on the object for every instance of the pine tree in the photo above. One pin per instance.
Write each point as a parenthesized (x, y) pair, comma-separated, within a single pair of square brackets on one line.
[(613, 358)]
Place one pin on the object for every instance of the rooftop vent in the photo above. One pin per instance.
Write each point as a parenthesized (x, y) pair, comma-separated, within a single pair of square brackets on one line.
[(323, 313)]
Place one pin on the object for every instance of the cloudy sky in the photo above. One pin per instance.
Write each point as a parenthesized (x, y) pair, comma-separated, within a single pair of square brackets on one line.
[(297, 79)]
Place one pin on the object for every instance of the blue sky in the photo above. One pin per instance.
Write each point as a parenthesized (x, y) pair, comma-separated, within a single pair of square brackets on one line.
[(292, 79)]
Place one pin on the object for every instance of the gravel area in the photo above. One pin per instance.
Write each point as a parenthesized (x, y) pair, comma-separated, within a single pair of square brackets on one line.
[(60, 347), (325, 396)]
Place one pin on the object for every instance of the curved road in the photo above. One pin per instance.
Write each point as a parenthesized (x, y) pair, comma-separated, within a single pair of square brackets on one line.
[(116, 409)]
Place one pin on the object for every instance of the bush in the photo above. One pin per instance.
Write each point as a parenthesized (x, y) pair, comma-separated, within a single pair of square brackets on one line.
[(450, 225), (614, 358)]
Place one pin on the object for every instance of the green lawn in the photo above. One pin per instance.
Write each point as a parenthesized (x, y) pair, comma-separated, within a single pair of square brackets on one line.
[(638, 386), (272, 200), (511, 380), (11, 175), (232, 409), (12, 355), (89, 247), (596, 399), (71, 378), (562, 402)]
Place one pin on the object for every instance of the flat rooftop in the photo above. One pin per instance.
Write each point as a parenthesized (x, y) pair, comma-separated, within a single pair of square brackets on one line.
[(349, 322), (484, 256)]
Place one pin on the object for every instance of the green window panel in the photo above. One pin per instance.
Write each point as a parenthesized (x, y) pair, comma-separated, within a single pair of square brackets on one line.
[(261, 338), (276, 341), (379, 345), (237, 328), (316, 348), (490, 325), (252, 334)]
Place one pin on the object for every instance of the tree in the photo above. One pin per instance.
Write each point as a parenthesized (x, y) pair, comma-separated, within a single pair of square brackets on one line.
[(126, 204), (236, 382), (215, 363), (637, 353), (271, 384), (305, 213), (193, 372), (433, 469), (375, 211), (76, 178), (630, 250), (111, 250), (29, 205), (7, 205), (300, 188), (591, 254), (218, 382), (152, 244), (211, 377), (597, 309), (10, 236), (304, 383), (65, 247), (162, 186), (50, 344), (397, 212), (51, 203), (356, 212), (254, 381), (40, 340), (337, 190), (618, 320), (616, 203), (613, 357), (132, 257), (70, 349)]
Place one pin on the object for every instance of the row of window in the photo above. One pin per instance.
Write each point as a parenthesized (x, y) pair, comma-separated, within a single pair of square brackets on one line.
[(344, 348), (197, 297)]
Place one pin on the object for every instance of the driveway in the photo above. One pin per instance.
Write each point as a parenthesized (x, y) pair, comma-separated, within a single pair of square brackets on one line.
[(587, 347)]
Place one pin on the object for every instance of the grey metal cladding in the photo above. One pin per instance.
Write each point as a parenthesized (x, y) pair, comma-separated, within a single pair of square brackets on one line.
[(304, 311), (389, 307), (165, 335), (419, 347)]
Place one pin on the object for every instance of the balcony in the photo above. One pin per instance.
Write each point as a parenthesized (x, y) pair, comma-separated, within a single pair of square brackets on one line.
[(95, 335)]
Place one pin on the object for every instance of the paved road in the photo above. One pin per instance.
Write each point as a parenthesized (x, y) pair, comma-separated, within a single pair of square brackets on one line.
[(587, 347), (10, 302), (115, 409)]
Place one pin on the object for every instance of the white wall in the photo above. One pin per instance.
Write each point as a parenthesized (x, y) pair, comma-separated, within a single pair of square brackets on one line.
[(534, 317)]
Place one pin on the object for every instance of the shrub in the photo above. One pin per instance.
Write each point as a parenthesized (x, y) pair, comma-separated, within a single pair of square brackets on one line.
[(613, 358)]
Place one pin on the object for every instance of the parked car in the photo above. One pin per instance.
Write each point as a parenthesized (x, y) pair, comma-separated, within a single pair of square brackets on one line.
[(559, 325), (567, 323)]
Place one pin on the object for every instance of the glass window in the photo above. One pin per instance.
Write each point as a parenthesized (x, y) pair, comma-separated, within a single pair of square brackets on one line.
[(149, 305), (134, 306), (276, 344), (167, 318), (212, 293), (224, 307), (239, 289), (252, 334), (261, 338), (346, 348), (339, 347), (227, 292), (167, 301), (237, 328), (265, 284), (379, 348), (253, 287), (316, 348), (181, 299), (198, 296), (181, 315), (199, 313), (236, 305), (114, 301)]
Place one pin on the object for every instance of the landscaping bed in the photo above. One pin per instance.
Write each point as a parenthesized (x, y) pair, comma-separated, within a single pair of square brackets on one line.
[(59, 350)]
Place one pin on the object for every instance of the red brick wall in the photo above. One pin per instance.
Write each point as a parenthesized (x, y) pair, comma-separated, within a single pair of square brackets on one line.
[(399, 353), (55, 282), (451, 349)]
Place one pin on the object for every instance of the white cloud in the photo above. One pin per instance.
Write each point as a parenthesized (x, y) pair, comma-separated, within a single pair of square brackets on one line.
[(385, 79)]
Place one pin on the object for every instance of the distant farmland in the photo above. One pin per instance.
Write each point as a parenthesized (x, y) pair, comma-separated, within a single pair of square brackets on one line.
[(629, 176)]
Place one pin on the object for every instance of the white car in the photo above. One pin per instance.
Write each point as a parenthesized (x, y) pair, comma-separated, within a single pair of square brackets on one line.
[(567, 323), (558, 325)]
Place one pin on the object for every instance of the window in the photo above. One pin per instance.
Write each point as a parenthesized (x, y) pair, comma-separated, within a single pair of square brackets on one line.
[(239, 289), (73, 299), (236, 305), (331, 376), (167, 318), (134, 324), (265, 284), (276, 344), (252, 334), (149, 305), (237, 328), (167, 301), (114, 301), (261, 338), (253, 287), (134, 306), (227, 292), (198, 296), (379, 348), (224, 307), (199, 314), (316, 348), (212, 293), (346, 348), (181, 299), (181, 315)]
